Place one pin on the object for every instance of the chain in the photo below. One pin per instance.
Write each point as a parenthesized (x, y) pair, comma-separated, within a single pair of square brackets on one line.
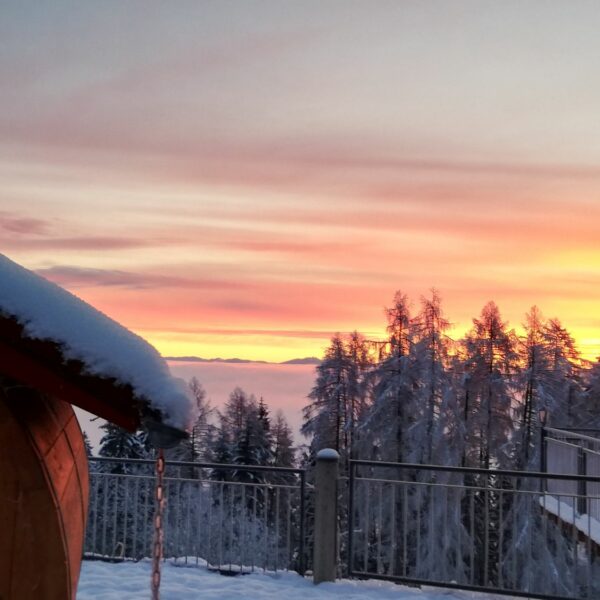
[(157, 547)]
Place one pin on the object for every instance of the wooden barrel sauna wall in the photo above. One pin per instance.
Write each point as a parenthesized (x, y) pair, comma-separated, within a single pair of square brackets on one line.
[(44, 491)]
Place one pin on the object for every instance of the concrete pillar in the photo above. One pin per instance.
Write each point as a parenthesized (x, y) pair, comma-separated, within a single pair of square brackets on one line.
[(325, 549)]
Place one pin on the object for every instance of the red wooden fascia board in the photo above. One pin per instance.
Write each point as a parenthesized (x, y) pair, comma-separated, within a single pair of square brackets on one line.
[(20, 366)]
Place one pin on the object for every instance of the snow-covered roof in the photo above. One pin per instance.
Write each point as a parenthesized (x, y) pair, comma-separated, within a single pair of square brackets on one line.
[(48, 312)]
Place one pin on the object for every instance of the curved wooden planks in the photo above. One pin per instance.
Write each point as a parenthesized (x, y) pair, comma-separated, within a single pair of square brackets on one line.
[(44, 491)]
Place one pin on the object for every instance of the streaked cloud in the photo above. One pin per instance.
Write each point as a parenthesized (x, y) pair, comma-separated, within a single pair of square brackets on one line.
[(14, 223), (294, 333), (76, 243), (71, 276), (246, 181)]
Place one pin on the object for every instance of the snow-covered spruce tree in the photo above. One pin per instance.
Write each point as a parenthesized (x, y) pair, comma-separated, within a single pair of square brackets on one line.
[(430, 359), (384, 436), (264, 442), (384, 427), (565, 377), (359, 394), (237, 409), (490, 361), (339, 399), (119, 505), (412, 385), (235, 434), (549, 379), (249, 503), (197, 447), (119, 443), (490, 353), (243, 438), (275, 447), (222, 451), (534, 359), (284, 453), (438, 536), (87, 445), (414, 418), (254, 442), (336, 398), (536, 554)]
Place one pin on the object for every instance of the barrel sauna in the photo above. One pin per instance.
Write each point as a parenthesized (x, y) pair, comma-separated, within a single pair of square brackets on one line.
[(44, 483)]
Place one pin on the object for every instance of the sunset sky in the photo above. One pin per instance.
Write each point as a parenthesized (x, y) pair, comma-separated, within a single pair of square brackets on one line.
[(247, 178)]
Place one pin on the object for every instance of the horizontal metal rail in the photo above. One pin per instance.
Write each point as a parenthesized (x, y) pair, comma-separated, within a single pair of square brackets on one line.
[(474, 471), (587, 429), (133, 476), (572, 434), (200, 465), (459, 586), (463, 486)]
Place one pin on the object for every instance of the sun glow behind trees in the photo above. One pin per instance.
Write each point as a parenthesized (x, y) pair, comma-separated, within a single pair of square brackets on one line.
[(422, 397)]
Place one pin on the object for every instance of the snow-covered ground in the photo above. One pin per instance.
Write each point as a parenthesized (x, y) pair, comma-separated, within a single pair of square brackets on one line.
[(117, 581)]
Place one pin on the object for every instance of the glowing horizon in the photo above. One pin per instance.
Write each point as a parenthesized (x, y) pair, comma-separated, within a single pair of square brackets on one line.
[(244, 181)]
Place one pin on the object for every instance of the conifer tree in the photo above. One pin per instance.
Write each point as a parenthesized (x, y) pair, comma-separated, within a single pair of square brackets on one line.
[(222, 451), (430, 359), (197, 447), (324, 416), (490, 361), (119, 443), (392, 412), (283, 442), (564, 376), (87, 444), (550, 380), (338, 397), (535, 362)]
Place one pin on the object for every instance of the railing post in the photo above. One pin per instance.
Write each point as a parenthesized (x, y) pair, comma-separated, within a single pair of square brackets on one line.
[(351, 519), (302, 561), (325, 542), (582, 483), (543, 458), (543, 450)]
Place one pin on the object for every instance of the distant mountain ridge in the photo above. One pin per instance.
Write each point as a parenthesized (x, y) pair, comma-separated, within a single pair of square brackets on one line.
[(309, 360)]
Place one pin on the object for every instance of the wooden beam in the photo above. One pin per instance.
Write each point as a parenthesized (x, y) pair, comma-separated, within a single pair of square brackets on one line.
[(41, 365)]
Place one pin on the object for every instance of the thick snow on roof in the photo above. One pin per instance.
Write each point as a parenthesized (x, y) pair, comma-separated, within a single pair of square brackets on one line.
[(49, 312)]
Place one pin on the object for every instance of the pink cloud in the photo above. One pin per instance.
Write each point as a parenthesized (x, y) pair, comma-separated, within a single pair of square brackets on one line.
[(72, 276), (16, 223), (75, 243)]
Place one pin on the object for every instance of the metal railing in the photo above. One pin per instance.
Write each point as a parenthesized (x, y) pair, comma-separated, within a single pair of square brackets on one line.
[(229, 517), (570, 451), (482, 530)]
